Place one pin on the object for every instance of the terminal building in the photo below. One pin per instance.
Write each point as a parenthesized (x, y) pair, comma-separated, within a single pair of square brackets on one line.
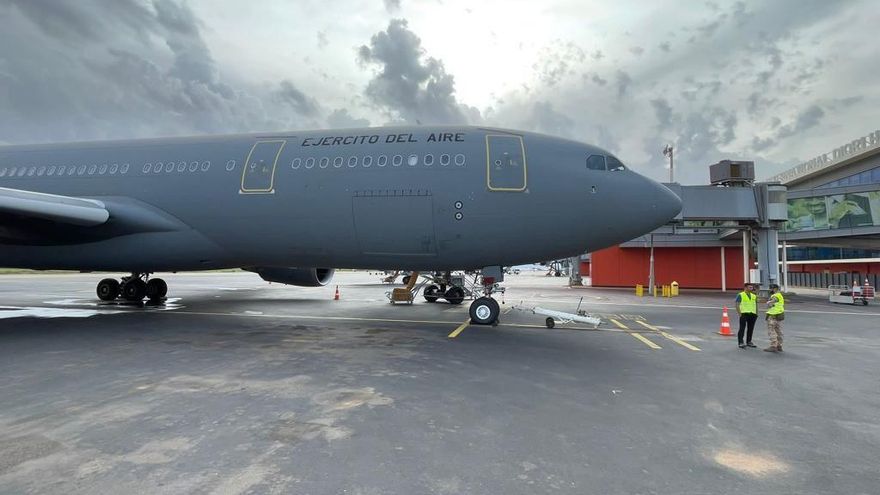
[(828, 231)]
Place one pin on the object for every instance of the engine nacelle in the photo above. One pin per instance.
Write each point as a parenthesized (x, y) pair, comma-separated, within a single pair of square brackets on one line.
[(303, 277)]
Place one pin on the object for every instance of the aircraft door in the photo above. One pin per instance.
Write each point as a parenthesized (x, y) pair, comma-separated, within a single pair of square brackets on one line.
[(258, 176), (505, 163)]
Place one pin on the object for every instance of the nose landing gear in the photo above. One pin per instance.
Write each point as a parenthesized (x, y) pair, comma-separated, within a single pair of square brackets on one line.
[(485, 309), (133, 288)]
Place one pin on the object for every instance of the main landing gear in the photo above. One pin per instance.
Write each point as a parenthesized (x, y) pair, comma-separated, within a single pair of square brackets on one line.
[(444, 287), (133, 288)]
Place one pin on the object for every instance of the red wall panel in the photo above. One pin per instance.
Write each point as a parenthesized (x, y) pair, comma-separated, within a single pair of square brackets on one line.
[(869, 267), (698, 267)]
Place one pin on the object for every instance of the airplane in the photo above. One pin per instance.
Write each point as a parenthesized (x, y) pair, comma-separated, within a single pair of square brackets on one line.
[(294, 206)]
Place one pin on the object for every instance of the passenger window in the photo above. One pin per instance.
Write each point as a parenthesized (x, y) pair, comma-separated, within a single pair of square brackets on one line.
[(124, 169), (41, 171), (52, 170), (81, 170), (102, 169), (444, 160), (325, 162), (295, 163), (614, 163), (397, 160), (413, 160), (181, 166), (92, 169), (310, 162), (230, 165), (169, 167), (30, 171), (337, 162), (429, 160), (22, 171), (114, 168), (193, 166), (382, 161), (459, 160), (71, 170), (206, 165), (368, 160), (352, 161), (596, 162), (158, 167), (3, 172)]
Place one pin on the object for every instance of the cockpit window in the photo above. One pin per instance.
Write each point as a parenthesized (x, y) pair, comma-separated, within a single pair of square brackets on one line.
[(614, 163), (596, 162)]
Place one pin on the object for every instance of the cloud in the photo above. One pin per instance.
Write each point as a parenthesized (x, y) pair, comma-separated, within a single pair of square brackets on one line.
[(392, 5), (340, 118), (408, 85), (809, 118), (297, 99), (622, 81)]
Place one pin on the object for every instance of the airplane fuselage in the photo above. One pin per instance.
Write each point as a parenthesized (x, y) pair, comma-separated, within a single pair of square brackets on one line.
[(421, 198)]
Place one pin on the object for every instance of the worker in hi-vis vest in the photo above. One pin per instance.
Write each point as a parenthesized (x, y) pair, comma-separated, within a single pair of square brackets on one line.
[(775, 315), (747, 309)]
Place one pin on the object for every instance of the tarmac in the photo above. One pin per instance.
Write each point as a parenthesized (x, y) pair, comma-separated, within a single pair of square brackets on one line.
[(238, 386)]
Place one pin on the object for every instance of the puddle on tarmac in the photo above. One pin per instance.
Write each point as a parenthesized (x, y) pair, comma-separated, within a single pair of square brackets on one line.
[(85, 308)]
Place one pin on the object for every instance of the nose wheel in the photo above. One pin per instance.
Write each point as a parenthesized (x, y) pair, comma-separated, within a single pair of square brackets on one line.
[(485, 311), (133, 288)]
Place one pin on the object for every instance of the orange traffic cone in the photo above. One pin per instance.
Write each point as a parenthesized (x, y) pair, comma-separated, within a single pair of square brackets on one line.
[(336, 296), (725, 324)]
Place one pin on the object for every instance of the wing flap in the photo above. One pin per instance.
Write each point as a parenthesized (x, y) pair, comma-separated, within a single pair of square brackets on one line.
[(64, 209)]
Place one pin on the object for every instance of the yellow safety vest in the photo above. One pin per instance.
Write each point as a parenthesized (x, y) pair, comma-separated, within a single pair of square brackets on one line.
[(748, 304), (779, 307)]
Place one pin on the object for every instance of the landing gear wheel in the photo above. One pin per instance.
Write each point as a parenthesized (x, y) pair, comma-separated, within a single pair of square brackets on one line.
[(108, 289), (156, 289), (431, 293), (864, 302), (455, 295), (134, 290), (485, 311), (550, 322)]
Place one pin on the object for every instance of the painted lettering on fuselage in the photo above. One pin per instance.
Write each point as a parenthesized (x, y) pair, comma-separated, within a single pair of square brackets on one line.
[(405, 137)]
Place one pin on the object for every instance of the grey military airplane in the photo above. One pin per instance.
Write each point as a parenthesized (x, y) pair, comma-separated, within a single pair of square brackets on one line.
[(292, 207)]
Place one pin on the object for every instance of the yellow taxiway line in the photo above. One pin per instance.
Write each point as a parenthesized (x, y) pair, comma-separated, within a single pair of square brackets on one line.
[(638, 336), (460, 329), (669, 336)]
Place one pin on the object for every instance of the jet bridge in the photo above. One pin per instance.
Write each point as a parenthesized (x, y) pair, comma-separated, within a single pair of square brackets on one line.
[(741, 216)]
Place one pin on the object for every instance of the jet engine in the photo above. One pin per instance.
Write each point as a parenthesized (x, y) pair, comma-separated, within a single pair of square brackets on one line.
[(303, 277)]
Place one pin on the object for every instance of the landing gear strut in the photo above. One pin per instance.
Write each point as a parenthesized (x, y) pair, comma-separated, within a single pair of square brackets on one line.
[(133, 288), (485, 310)]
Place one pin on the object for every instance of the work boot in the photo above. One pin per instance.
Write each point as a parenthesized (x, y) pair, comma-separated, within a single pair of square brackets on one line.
[(742, 346), (749, 344), (771, 349)]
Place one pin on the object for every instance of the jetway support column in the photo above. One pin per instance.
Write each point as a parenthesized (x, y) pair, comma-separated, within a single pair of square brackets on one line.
[(768, 257), (574, 271)]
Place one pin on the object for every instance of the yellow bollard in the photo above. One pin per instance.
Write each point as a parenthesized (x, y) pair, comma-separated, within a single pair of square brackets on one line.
[(654, 290), (674, 288), (640, 290)]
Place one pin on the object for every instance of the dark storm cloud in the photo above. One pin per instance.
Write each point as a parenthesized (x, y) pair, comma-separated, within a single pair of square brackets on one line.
[(96, 69), (303, 104), (409, 85)]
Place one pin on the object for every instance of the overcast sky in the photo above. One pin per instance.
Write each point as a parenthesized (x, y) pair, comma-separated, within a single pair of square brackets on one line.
[(776, 81)]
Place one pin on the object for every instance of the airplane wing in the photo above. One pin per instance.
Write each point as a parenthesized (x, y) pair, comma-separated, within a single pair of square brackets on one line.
[(63, 209)]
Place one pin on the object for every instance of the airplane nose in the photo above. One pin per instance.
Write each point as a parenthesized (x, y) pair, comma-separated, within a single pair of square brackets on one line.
[(665, 203)]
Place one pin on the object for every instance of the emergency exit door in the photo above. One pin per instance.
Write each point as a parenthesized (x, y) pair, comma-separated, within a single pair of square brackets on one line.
[(506, 163), (258, 175)]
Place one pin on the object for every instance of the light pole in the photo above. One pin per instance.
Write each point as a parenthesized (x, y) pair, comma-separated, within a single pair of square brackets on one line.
[(668, 152)]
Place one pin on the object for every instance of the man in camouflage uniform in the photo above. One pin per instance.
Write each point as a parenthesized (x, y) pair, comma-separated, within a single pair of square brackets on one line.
[(775, 316)]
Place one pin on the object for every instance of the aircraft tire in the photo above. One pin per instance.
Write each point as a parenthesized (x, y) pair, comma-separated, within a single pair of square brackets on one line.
[(431, 293), (484, 311), (454, 295), (108, 289), (134, 290), (156, 289), (550, 322)]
